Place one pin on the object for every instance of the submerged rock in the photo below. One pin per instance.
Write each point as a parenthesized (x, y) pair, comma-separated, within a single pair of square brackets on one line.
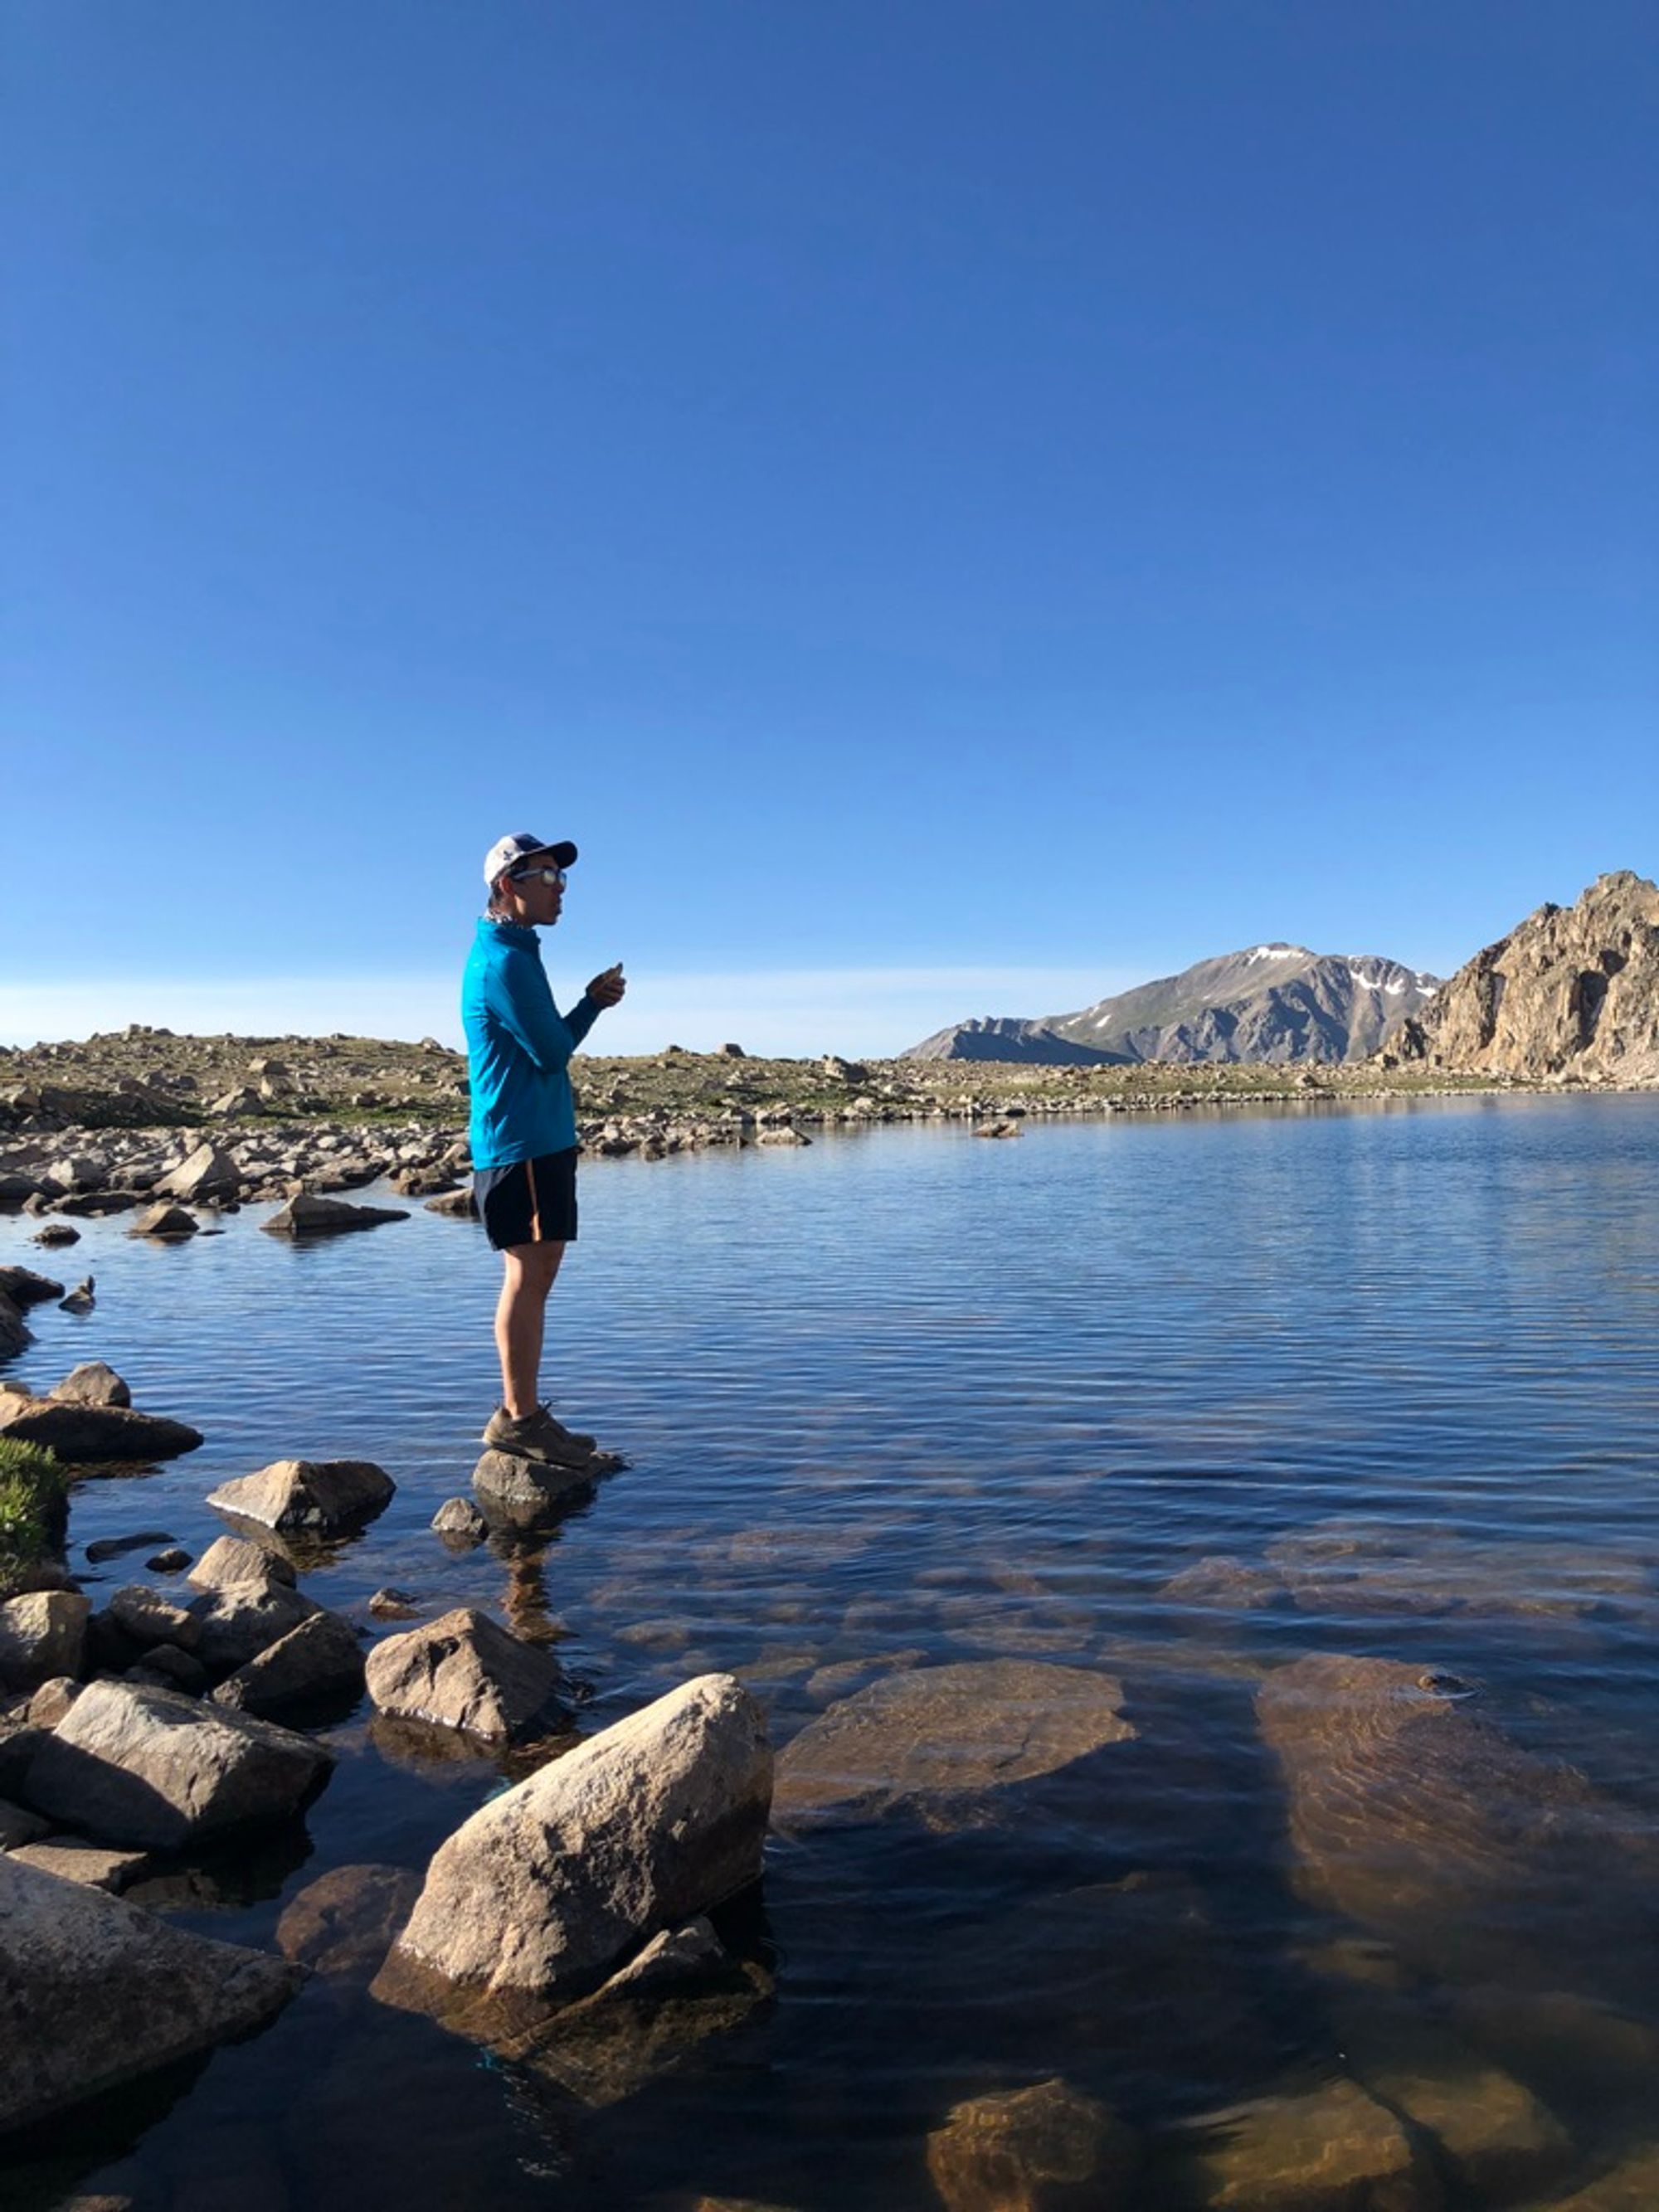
[(463, 1671), (1046, 2149), (325, 1497), (343, 1923), (1327, 2148), (657, 1819), (939, 1744), (1414, 1814), (94, 1992), (138, 1765)]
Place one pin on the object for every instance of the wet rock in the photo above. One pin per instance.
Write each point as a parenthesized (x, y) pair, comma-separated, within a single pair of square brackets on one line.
[(829, 1685), (655, 1820), (25, 1289), (93, 1383), (149, 1617), (939, 1744), (81, 1299), (173, 1560), (1414, 1813), (95, 1204), (524, 1492), (458, 1204), (1047, 2148), (110, 1548), (459, 1519), (57, 1234), (71, 1858), (42, 1634), (306, 1216), (1631, 2186), (207, 1176), (169, 1668), (94, 1992), (1593, 2065), (91, 1433), (343, 1923), (245, 1619), (463, 1671), (326, 1498), (393, 1605), (140, 1766), (1328, 2148), (230, 1560), (320, 1659), (170, 1223)]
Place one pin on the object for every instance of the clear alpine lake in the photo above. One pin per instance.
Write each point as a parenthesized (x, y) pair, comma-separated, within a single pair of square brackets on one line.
[(906, 1399)]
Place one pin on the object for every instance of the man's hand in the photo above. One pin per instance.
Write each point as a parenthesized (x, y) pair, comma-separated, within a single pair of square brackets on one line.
[(607, 990)]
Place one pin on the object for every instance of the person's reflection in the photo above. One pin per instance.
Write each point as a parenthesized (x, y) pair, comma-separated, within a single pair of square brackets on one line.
[(525, 1595)]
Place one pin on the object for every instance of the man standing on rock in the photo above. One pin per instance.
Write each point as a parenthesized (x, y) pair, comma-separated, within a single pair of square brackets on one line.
[(522, 1130)]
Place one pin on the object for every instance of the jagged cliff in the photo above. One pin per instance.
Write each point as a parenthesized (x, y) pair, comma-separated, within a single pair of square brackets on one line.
[(1571, 991)]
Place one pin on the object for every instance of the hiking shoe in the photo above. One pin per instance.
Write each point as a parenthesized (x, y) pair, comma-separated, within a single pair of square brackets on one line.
[(537, 1435)]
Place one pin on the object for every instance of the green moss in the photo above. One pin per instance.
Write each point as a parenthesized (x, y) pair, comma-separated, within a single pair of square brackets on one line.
[(33, 1488)]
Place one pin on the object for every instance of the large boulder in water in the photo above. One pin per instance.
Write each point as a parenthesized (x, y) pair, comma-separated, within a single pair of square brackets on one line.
[(655, 1820), (306, 1216), (80, 1433), (463, 1671), (942, 1744), (137, 1764), (94, 1992), (1413, 1811), (324, 1498)]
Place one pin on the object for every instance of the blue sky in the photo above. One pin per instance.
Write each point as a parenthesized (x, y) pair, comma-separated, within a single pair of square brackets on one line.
[(956, 508)]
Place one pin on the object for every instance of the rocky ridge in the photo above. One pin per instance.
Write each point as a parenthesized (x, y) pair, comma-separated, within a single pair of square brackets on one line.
[(1272, 1005), (1571, 992)]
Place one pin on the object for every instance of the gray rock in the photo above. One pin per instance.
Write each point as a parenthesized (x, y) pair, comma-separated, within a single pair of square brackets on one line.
[(18, 1826), (110, 1548), (459, 1517), (94, 1992), (522, 1492), (241, 1621), (26, 1289), (71, 1858), (463, 1671), (93, 1383), (169, 1668), (52, 1701), (656, 1820), (678, 1955), (149, 1617), (80, 1300), (170, 1222), (393, 1605), (321, 1658), (42, 1634), (80, 1433), (325, 1497), (172, 1560), (140, 1766), (307, 1216), (232, 1560), (57, 1234), (457, 1204), (941, 1744), (207, 1176)]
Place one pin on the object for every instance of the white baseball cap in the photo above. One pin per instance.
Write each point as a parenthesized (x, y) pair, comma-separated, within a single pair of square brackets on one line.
[(513, 852)]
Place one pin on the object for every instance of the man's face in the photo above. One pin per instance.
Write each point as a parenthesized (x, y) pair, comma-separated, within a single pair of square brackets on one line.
[(537, 900)]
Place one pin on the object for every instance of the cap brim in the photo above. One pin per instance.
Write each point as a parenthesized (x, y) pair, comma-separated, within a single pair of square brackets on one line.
[(562, 854)]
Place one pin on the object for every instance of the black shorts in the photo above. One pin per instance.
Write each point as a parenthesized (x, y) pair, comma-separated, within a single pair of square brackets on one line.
[(532, 1202)]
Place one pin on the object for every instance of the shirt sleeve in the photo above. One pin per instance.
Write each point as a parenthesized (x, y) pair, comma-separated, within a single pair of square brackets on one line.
[(582, 1016), (516, 994)]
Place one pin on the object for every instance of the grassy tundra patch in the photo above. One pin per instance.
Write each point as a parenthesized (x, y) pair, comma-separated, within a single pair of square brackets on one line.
[(33, 1489)]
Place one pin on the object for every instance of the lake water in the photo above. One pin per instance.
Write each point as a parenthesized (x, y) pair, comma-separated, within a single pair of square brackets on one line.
[(914, 1393)]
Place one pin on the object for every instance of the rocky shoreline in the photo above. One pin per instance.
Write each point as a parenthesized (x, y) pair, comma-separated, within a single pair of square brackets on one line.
[(121, 1121)]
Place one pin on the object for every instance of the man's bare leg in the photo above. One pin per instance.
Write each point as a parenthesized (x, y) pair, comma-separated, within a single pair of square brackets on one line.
[(520, 1317)]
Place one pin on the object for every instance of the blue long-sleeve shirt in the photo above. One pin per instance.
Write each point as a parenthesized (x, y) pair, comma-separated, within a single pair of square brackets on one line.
[(519, 1047)]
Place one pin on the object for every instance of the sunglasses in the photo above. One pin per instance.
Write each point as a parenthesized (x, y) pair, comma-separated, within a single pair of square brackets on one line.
[(537, 876)]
